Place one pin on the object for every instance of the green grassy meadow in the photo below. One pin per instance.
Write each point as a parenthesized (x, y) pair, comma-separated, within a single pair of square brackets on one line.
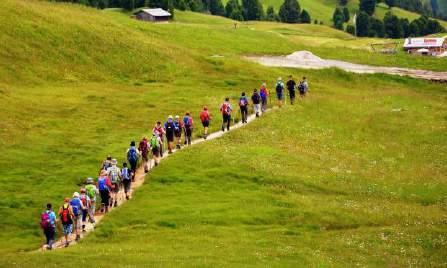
[(355, 175)]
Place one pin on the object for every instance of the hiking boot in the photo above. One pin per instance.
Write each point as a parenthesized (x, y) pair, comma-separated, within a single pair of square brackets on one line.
[(127, 197), (67, 243), (177, 146), (78, 237), (115, 204), (170, 152)]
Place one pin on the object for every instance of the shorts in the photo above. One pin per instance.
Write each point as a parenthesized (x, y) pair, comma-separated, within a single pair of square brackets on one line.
[(104, 196), (170, 137), (127, 184), (178, 134), (68, 228), (156, 152), (115, 187), (292, 94), (144, 156), (133, 165), (226, 118), (279, 95), (302, 92), (206, 123), (84, 214), (77, 222)]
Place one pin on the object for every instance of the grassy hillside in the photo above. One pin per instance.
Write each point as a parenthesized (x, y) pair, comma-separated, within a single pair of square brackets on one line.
[(78, 83), (344, 181), (322, 10)]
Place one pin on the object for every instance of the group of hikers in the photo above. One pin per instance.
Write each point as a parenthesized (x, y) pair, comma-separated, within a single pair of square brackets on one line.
[(75, 211)]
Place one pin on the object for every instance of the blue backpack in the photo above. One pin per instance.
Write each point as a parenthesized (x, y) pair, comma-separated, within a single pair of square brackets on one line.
[(125, 174), (132, 155), (76, 205), (187, 121), (102, 186)]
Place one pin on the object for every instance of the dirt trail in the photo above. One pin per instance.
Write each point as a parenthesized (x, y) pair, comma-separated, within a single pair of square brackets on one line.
[(307, 60), (139, 180)]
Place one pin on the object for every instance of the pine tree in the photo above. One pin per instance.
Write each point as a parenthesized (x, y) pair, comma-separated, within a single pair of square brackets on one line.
[(368, 6), (393, 29), (350, 29), (343, 2), (390, 3), (305, 17), (252, 10), (217, 8), (362, 24), (338, 18), (127, 4), (233, 10), (290, 11), (346, 14)]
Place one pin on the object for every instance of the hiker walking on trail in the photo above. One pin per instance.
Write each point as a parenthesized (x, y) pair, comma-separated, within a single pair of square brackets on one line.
[(77, 207), (303, 87), (226, 110), (126, 175), (160, 132), (178, 129), (86, 203), (106, 163), (169, 127), (104, 187), (264, 93), (243, 105), (132, 156), (188, 126), (143, 147), (256, 98), (205, 119), (155, 143), (66, 215), (279, 91), (114, 174), (91, 191), (291, 84), (48, 224)]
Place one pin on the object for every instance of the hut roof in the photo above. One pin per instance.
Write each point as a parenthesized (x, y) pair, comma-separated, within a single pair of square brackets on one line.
[(156, 12), (423, 42)]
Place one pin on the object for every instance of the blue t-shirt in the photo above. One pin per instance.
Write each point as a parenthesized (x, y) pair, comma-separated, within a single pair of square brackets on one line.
[(52, 217), (76, 205)]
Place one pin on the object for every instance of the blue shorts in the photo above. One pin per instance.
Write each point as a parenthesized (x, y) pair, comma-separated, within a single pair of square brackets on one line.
[(68, 228), (279, 96)]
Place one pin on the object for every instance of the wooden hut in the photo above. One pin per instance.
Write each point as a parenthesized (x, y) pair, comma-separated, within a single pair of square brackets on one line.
[(427, 45), (153, 15)]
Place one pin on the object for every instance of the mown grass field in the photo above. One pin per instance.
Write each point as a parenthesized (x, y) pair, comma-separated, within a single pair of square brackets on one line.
[(341, 180)]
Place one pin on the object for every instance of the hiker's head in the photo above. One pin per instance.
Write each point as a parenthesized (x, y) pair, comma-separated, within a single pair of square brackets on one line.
[(170, 117), (66, 200), (89, 181), (82, 190), (304, 78), (264, 84), (103, 173), (243, 93), (114, 160), (290, 76), (187, 113), (227, 99), (158, 123), (75, 195), (124, 164), (205, 108), (145, 138), (49, 206), (279, 78), (255, 90), (132, 143), (109, 157)]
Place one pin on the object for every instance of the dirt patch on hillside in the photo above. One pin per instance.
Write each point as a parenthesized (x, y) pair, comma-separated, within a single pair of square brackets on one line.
[(307, 60)]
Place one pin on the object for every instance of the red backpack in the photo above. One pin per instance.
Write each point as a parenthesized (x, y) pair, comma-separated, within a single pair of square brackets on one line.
[(65, 215), (45, 220), (225, 108), (84, 200)]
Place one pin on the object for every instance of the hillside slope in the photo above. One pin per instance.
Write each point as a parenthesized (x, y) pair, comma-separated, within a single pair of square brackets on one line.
[(78, 83)]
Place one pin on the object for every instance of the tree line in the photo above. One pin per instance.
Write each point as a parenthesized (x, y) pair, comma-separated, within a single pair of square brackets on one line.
[(244, 10), (390, 27)]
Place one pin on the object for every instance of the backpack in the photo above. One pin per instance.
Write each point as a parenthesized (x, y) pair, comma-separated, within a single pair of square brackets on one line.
[(45, 220), (226, 110), (132, 155), (301, 87), (65, 215), (114, 176), (242, 101), (143, 146), (125, 174), (169, 127), (154, 143), (255, 98), (102, 185), (83, 199), (187, 121), (279, 87), (106, 164), (90, 191), (75, 206)]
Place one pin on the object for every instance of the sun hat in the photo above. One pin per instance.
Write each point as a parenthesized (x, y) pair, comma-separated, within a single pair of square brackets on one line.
[(76, 194), (89, 180), (114, 161), (279, 78), (170, 117), (177, 117)]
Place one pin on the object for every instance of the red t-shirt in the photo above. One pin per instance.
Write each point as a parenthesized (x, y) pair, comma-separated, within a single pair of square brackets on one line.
[(204, 116)]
